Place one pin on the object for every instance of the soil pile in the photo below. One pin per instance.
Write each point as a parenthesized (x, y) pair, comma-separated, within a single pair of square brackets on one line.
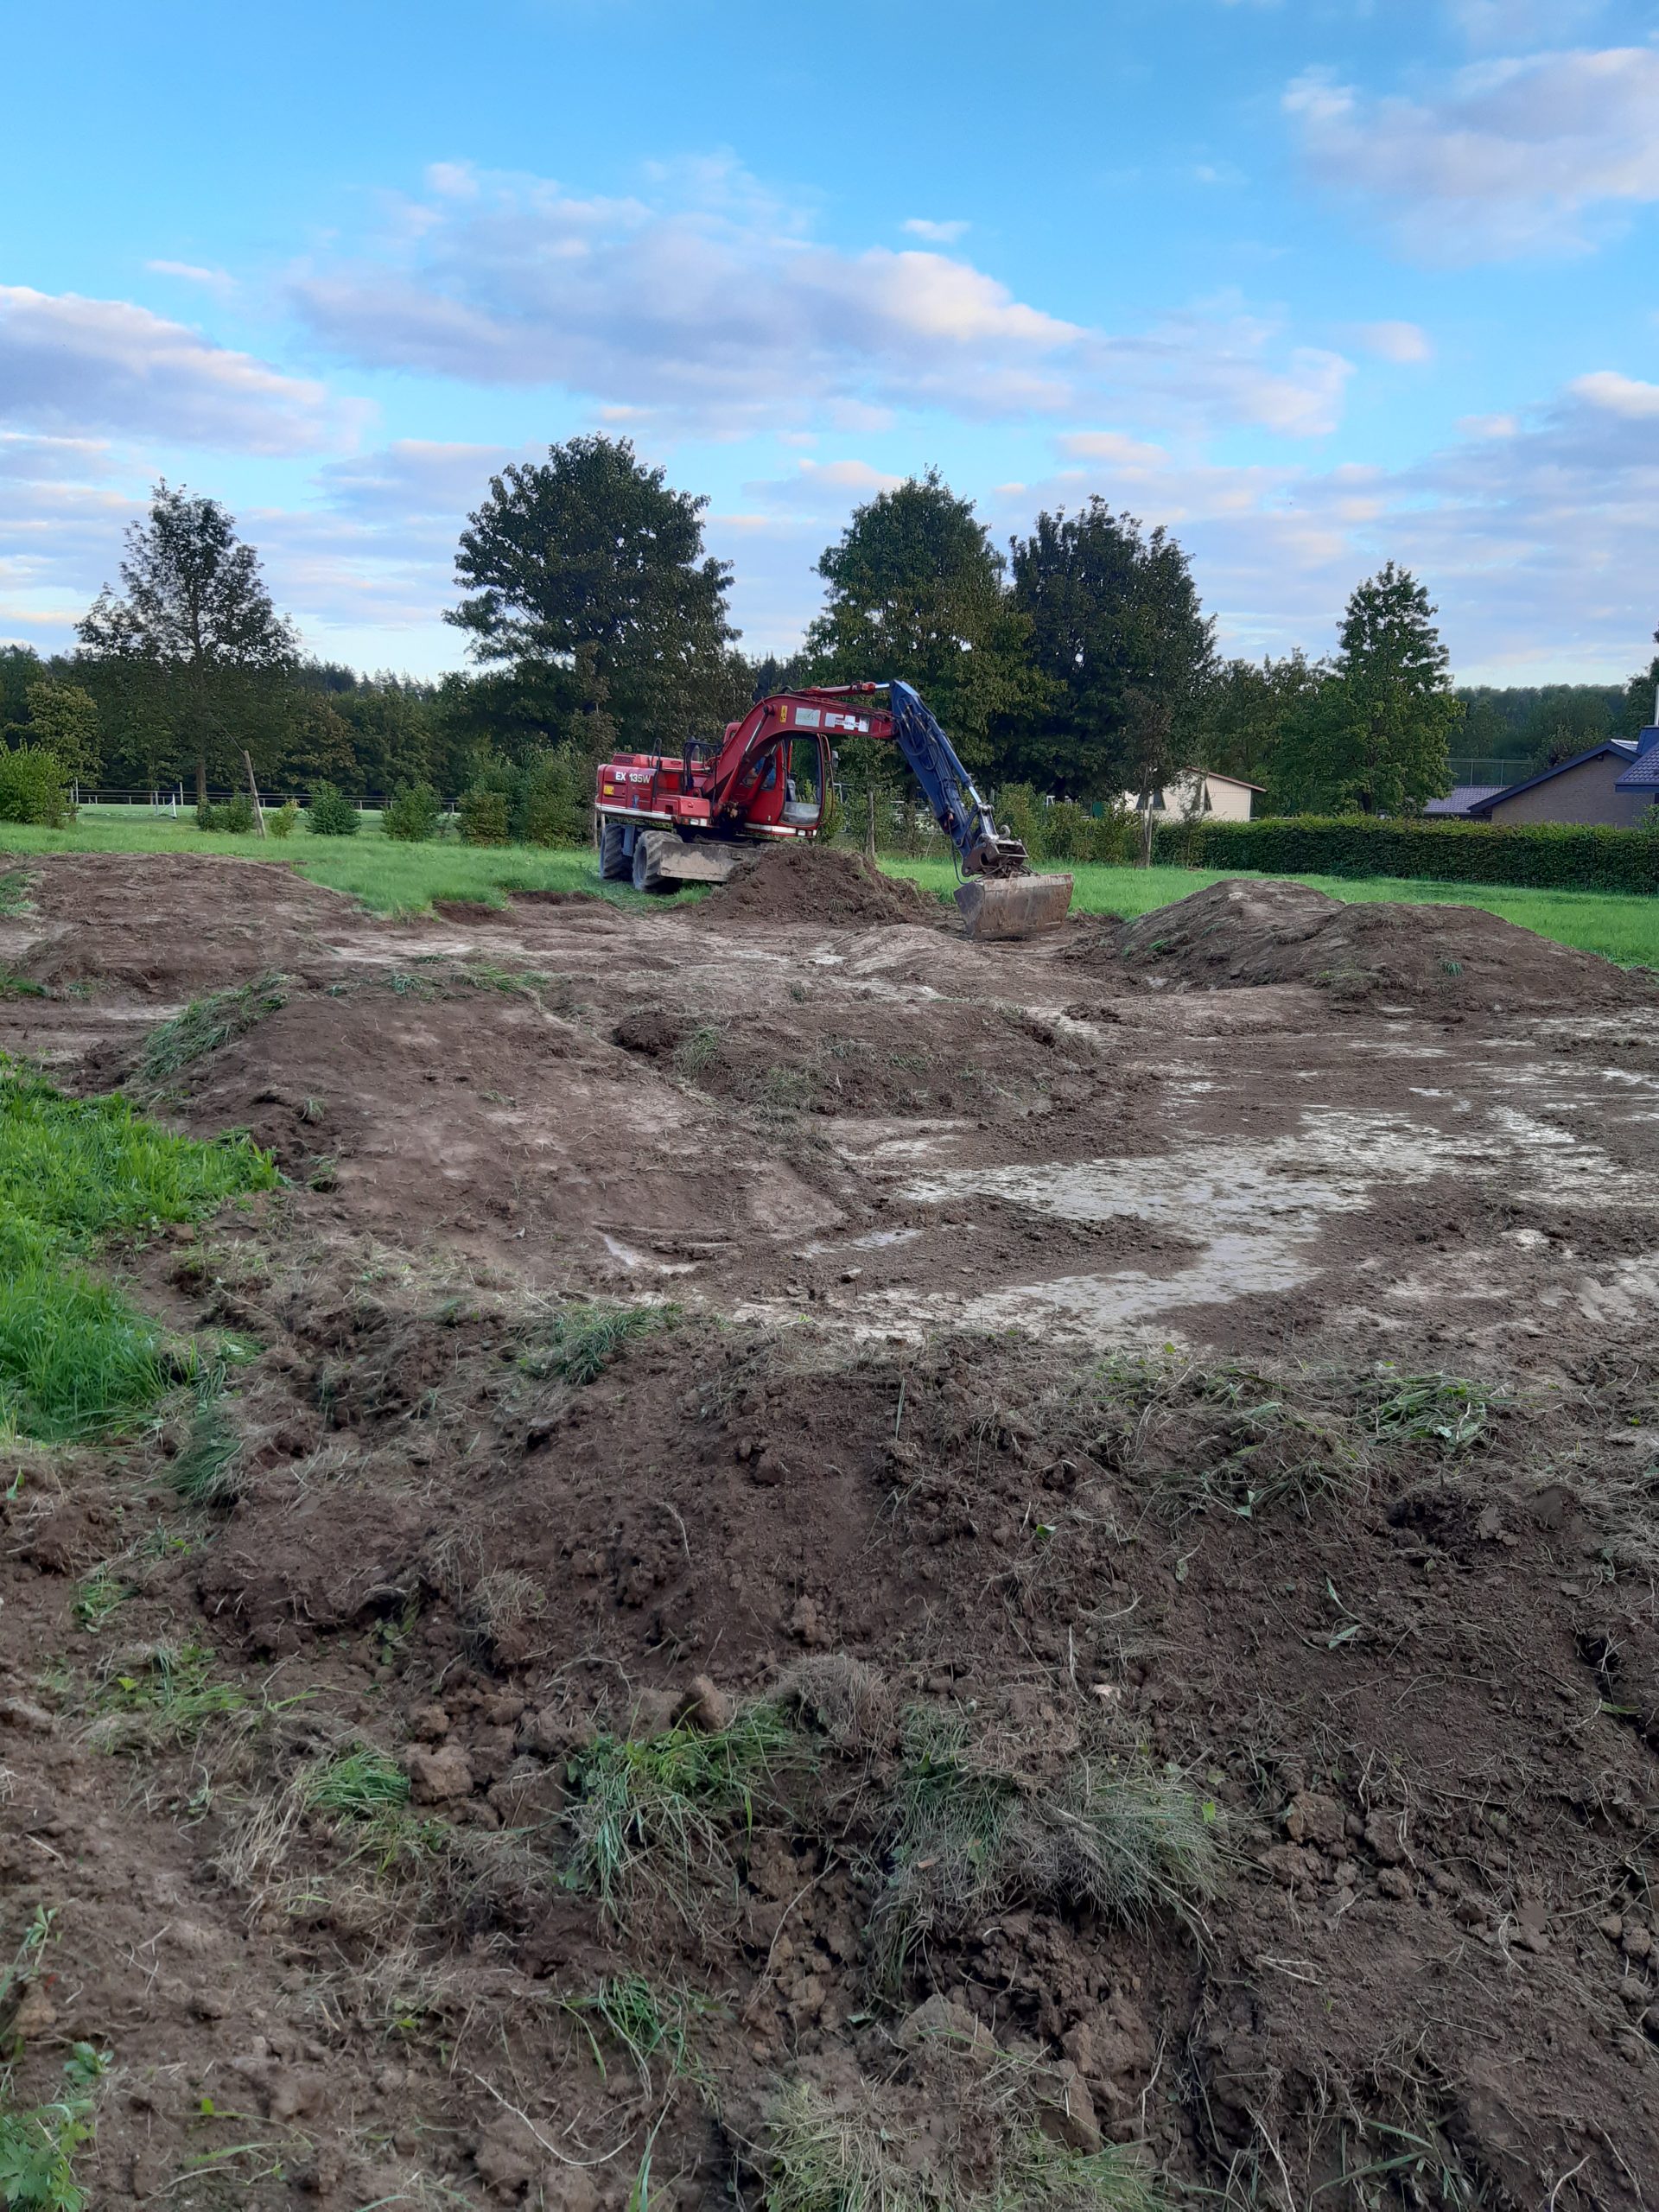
[(808, 883), (168, 925), (1238, 932)]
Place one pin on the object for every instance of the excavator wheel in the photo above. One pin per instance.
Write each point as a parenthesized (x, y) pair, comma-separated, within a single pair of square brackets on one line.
[(1012, 905), (613, 864)]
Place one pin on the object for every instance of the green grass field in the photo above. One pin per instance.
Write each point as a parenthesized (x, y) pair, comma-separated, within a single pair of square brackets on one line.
[(396, 879)]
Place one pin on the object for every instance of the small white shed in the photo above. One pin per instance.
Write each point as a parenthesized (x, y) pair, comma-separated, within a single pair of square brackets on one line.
[(1221, 799)]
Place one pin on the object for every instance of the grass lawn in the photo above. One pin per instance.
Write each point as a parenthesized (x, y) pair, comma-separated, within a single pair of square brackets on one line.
[(395, 878)]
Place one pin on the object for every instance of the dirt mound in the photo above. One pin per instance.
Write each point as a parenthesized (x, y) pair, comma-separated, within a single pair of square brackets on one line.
[(168, 925), (810, 884), (1240, 932)]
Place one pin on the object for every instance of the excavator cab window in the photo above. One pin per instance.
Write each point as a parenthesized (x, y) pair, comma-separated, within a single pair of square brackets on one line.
[(803, 769)]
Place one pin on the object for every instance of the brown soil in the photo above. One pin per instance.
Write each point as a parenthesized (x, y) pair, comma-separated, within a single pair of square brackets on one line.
[(811, 884), (1027, 1364), (1244, 932)]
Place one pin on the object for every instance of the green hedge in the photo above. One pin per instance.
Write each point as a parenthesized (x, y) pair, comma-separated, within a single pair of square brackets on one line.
[(1546, 856)]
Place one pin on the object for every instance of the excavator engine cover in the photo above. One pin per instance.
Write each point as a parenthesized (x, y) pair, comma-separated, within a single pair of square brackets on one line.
[(1013, 905)]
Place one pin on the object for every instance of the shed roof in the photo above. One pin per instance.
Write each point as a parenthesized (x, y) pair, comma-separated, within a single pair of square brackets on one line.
[(1461, 797)]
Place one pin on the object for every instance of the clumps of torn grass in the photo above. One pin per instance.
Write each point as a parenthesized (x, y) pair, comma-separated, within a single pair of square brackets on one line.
[(40, 2145), (870, 2151), (653, 1815), (20, 986), (697, 1052), (209, 1023), (652, 2024), (586, 1336), (162, 1697), (967, 1835), (1224, 1439), (1443, 1409)]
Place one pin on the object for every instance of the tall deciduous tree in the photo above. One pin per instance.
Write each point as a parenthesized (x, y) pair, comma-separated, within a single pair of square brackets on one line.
[(197, 618), (917, 591), (1375, 737), (586, 577), (63, 717), (1247, 710), (1123, 650)]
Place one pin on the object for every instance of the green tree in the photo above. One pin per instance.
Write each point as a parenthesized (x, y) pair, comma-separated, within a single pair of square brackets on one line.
[(1641, 706), (587, 577), (1123, 651), (1373, 737), (197, 619), (64, 719), (1246, 710), (917, 591), (20, 666)]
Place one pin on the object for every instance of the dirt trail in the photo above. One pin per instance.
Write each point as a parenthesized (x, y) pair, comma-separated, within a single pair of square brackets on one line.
[(1010, 1388)]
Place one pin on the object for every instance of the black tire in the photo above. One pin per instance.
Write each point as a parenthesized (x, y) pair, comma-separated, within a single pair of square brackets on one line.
[(612, 860)]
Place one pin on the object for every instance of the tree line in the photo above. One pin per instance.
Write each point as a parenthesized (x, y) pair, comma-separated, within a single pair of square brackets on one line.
[(1080, 663)]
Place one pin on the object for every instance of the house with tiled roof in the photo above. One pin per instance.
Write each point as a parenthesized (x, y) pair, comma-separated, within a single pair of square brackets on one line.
[(1588, 789), (1640, 781)]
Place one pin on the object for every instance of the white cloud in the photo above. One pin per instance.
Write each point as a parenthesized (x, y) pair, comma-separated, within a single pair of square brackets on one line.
[(1618, 395), (1405, 343), (918, 227), (1537, 536), (77, 364), (829, 488), (1511, 157), (714, 310), (1514, 24), (218, 280)]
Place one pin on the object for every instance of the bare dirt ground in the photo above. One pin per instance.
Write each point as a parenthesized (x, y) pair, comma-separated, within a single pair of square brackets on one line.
[(1215, 1355)]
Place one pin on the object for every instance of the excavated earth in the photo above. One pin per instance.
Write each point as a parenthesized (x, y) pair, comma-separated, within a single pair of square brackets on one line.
[(1216, 1355)]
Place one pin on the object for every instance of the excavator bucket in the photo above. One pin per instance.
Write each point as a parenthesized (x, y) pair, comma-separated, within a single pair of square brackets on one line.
[(1013, 905)]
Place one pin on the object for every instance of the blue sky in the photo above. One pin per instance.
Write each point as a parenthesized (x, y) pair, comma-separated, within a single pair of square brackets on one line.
[(1314, 282)]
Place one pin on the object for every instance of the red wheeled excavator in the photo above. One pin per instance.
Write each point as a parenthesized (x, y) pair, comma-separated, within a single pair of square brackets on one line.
[(667, 819)]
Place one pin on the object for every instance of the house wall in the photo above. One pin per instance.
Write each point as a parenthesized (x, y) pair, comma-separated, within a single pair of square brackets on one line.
[(1229, 802), (1583, 794)]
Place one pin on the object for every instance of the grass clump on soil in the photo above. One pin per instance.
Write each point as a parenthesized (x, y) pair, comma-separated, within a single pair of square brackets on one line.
[(653, 1812), (361, 1784), (967, 1835), (209, 1023), (38, 2144), (1225, 1439), (166, 1696), (1443, 1410), (76, 1359), (651, 2026), (837, 2154), (585, 1337)]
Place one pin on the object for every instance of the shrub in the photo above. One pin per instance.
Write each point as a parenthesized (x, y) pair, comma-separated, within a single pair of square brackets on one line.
[(558, 794), (280, 820), (1020, 811), (234, 818), (33, 787), (1115, 835), (414, 814), (331, 814), (1544, 855), (484, 817), (1063, 832)]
